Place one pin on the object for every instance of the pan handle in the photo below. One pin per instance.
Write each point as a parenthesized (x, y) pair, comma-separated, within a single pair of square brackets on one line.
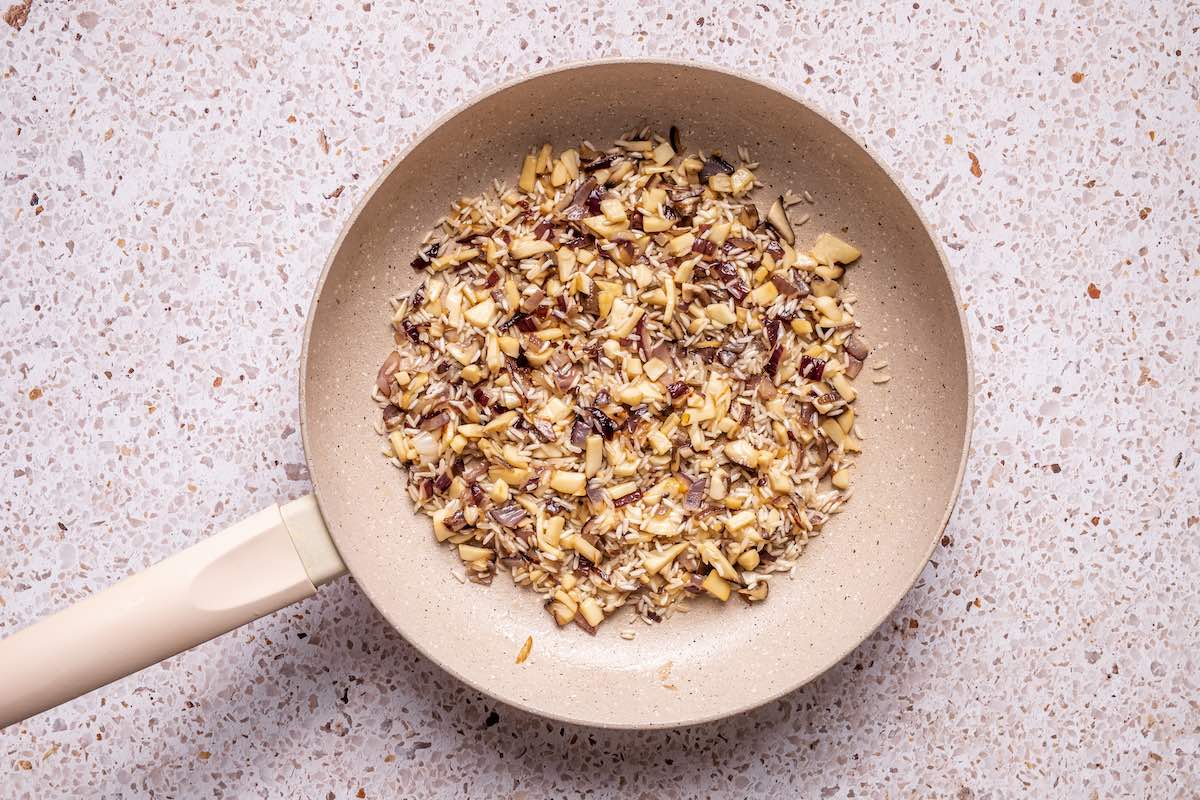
[(266, 562)]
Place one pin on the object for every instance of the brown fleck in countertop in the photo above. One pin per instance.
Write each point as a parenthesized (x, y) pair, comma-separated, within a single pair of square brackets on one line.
[(172, 178)]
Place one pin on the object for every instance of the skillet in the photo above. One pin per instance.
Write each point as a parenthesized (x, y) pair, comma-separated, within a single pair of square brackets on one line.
[(710, 663)]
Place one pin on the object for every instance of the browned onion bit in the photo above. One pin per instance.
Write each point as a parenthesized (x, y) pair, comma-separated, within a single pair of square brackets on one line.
[(704, 247), (677, 389), (442, 482)]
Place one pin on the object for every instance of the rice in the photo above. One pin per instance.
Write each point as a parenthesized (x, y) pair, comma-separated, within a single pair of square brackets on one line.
[(620, 388)]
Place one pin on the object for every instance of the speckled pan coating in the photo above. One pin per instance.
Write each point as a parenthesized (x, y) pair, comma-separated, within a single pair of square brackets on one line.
[(714, 661)]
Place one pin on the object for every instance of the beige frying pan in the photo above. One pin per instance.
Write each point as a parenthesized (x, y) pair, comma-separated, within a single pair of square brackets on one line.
[(712, 662)]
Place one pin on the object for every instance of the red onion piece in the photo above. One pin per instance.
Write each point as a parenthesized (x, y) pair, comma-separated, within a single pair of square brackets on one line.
[(773, 328), (853, 367), (592, 204), (425, 256), (533, 301), (694, 499), (413, 331), (812, 368), (392, 415), (600, 162), (581, 195), (391, 365), (510, 515), (474, 470), (596, 496), (715, 165), (603, 423), (580, 430), (786, 287), (773, 362), (434, 421), (543, 430), (632, 497), (857, 348), (566, 380), (643, 344)]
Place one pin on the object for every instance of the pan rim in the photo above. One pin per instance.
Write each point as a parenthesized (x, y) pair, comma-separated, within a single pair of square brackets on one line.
[(447, 116)]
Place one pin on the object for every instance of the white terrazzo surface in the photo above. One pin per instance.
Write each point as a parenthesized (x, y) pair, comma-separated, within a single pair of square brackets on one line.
[(165, 206)]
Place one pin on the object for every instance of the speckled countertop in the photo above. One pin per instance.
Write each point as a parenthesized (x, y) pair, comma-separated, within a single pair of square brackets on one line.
[(171, 179)]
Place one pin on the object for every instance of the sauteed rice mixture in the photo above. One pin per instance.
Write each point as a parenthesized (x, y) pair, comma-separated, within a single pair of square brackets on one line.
[(623, 384)]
